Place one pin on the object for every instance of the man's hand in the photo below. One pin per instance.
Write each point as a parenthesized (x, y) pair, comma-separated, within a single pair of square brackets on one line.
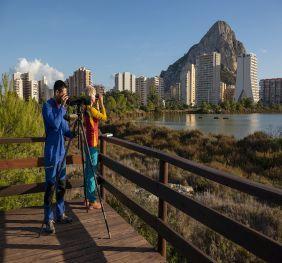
[(64, 100)]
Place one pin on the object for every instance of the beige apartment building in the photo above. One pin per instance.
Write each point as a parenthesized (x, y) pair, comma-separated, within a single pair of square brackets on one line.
[(25, 86), (188, 84), (125, 81), (77, 83), (18, 84), (208, 78), (141, 89)]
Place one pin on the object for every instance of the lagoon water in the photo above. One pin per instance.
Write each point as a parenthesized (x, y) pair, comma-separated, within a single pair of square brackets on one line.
[(239, 125)]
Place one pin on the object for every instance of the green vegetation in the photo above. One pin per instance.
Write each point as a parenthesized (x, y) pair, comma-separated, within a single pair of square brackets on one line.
[(123, 102), (19, 119), (120, 102), (243, 106)]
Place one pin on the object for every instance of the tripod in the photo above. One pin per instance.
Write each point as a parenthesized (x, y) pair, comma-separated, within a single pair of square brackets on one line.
[(82, 143)]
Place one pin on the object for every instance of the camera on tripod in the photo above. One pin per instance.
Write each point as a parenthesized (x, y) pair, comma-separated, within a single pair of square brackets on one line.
[(78, 101)]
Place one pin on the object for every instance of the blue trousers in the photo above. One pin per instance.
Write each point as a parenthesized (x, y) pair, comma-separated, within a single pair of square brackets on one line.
[(51, 170), (89, 176)]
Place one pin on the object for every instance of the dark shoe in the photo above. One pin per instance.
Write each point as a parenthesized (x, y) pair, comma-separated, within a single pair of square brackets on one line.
[(50, 228), (64, 219)]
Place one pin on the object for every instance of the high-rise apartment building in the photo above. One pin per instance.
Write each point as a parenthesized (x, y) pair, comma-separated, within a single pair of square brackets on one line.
[(175, 92), (271, 90), (188, 84), (26, 78), (247, 79), (125, 81), (44, 92), (158, 83), (18, 84), (25, 86), (77, 83), (208, 78), (141, 89)]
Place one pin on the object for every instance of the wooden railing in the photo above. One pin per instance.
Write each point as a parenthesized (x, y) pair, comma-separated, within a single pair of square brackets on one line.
[(32, 163), (252, 240)]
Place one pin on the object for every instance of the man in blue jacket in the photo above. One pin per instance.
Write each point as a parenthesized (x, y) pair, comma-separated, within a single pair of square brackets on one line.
[(56, 128)]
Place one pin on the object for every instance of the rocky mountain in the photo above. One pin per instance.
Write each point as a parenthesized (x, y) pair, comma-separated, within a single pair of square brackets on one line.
[(220, 38)]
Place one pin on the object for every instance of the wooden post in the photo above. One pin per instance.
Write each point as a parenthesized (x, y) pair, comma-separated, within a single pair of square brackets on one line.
[(103, 149), (163, 178)]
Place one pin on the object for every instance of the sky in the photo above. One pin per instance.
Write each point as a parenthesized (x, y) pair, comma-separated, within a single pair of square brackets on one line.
[(142, 37)]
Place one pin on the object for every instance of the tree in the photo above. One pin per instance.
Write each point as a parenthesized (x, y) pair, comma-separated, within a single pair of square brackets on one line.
[(7, 84), (121, 103), (247, 103), (111, 103), (153, 96), (205, 107), (150, 106)]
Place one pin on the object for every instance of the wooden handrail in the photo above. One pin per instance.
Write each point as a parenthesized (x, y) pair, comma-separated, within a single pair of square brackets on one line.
[(185, 247), (22, 189), (255, 242), (34, 162), (265, 192), (252, 240), (21, 140)]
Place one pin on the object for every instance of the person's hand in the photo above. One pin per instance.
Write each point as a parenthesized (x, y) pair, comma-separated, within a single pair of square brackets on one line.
[(101, 100), (64, 99)]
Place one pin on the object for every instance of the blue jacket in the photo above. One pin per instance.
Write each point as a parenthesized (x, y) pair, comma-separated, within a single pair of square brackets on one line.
[(56, 127)]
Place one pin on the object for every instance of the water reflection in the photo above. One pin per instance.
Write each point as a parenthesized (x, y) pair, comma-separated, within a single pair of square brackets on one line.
[(239, 125)]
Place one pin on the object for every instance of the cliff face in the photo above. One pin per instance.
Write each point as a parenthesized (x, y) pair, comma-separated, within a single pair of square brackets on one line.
[(220, 38)]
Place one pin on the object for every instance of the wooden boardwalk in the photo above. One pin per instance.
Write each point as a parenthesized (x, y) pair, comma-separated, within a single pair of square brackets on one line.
[(85, 240)]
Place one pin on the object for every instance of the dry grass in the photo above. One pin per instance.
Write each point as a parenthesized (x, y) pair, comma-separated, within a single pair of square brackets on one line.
[(217, 152)]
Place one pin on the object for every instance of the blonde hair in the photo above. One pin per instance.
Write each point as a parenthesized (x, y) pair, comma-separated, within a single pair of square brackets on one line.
[(90, 91)]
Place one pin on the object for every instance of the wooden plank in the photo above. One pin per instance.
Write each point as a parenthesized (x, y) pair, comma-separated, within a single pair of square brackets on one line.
[(34, 162), (128, 246), (75, 241), (264, 192), (74, 227), (186, 248), (21, 140), (252, 240), (67, 241), (34, 188), (92, 250)]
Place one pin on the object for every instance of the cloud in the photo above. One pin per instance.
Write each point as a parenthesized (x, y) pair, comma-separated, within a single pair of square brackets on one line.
[(39, 69)]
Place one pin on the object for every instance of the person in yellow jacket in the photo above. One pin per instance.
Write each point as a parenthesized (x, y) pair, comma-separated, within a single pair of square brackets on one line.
[(92, 114)]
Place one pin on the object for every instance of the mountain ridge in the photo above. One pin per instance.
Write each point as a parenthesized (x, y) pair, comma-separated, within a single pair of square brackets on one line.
[(220, 38)]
